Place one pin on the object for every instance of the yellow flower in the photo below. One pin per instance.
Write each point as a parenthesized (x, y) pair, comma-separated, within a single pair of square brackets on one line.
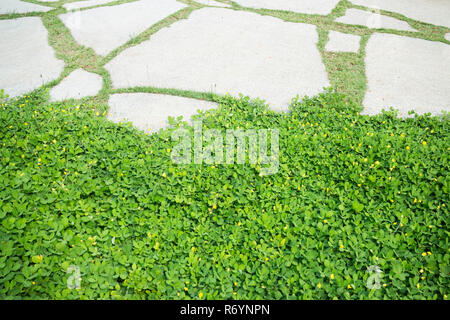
[(424, 254), (215, 206), (325, 221), (200, 295), (349, 287), (424, 143), (341, 246), (429, 253), (332, 276), (319, 285), (418, 286), (407, 148), (421, 270), (186, 289), (164, 174)]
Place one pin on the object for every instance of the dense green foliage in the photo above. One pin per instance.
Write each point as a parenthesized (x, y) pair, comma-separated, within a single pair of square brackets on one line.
[(352, 192)]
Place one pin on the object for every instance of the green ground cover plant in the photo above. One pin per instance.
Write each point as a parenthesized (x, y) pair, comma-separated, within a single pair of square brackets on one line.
[(352, 191)]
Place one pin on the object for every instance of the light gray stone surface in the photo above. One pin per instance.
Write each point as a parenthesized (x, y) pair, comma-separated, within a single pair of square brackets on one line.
[(222, 51), (85, 4), (150, 112), (213, 3), (77, 85), (342, 42), (107, 28), (373, 20), (407, 73), (26, 59), (17, 6), (431, 11), (303, 6)]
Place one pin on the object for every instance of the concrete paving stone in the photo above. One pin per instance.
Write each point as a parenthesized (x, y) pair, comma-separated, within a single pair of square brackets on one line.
[(373, 20), (407, 73), (26, 59), (342, 42), (107, 28), (213, 3), (226, 51), (430, 11), (77, 85), (323, 7), (150, 112), (85, 4), (17, 6), (447, 36)]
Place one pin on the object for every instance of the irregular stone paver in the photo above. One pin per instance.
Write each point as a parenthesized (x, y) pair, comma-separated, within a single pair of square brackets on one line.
[(26, 59), (150, 112), (342, 42), (431, 11), (106, 28), (407, 73), (222, 51), (373, 20), (304, 6), (77, 85), (213, 3), (17, 6), (85, 4)]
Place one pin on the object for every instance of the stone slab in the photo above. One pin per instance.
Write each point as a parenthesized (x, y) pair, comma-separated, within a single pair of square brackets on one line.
[(77, 85), (213, 3), (430, 11), (407, 73), (323, 7), (373, 20), (107, 28), (342, 42), (226, 51), (85, 4), (150, 112), (17, 6), (26, 59)]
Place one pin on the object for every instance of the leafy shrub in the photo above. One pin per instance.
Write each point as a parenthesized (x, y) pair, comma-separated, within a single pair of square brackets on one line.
[(352, 192)]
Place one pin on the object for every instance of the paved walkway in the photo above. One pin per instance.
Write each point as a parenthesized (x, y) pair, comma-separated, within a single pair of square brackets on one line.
[(381, 53)]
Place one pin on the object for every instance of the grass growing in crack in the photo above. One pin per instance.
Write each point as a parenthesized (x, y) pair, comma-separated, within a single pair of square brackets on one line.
[(346, 71), (145, 35), (209, 96)]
